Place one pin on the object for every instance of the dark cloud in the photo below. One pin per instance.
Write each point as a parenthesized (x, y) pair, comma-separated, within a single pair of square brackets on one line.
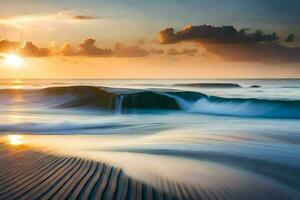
[(214, 35), (190, 52), (83, 17), (8, 46), (31, 50), (123, 50), (167, 36), (234, 45), (88, 48), (290, 38)]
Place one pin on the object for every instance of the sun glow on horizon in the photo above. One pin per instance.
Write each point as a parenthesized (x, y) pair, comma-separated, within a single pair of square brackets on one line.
[(12, 60)]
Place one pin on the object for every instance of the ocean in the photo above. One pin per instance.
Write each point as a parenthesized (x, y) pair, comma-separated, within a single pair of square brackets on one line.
[(229, 138)]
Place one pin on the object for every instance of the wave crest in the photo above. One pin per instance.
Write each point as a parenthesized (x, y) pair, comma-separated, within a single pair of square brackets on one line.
[(247, 107), (127, 100)]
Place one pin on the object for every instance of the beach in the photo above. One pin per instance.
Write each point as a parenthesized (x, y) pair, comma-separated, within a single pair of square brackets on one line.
[(29, 174), (31, 171)]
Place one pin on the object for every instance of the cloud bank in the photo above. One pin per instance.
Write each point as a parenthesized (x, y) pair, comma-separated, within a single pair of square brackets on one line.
[(235, 45), (214, 35), (87, 48)]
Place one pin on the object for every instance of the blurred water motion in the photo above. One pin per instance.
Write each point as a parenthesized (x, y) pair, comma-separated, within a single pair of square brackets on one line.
[(238, 142)]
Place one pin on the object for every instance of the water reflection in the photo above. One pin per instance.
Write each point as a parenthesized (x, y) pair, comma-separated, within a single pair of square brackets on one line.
[(15, 140)]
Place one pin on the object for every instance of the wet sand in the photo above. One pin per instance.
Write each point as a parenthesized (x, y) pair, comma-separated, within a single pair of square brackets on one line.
[(31, 174), (73, 167)]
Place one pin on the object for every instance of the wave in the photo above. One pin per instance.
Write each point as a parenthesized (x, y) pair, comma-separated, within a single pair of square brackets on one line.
[(247, 107), (210, 85), (128, 100), (102, 98), (166, 100), (79, 96)]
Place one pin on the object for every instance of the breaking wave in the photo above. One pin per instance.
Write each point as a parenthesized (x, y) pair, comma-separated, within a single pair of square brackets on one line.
[(127, 100)]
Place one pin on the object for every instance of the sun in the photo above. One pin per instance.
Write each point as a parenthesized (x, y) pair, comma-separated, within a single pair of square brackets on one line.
[(13, 60)]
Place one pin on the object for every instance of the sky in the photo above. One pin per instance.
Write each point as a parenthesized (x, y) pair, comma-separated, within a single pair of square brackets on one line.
[(150, 39)]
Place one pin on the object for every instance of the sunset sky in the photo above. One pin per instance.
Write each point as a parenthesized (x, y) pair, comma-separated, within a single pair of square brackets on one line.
[(150, 39)]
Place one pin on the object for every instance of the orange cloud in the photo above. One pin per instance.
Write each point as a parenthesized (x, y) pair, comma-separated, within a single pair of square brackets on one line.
[(123, 50), (174, 52), (31, 50), (88, 48), (67, 50), (8, 46), (156, 51)]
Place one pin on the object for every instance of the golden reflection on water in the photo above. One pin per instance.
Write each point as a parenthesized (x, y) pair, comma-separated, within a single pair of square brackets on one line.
[(16, 87), (17, 84), (15, 139), (17, 81)]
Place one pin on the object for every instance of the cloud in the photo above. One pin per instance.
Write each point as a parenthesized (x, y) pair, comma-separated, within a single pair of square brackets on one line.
[(190, 52), (31, 50), (74, 14), (173, 52), (83, 17), (214, 35), (8, 46), (27, 49), (142, 41), (156, 51), (88, 48), (123, 50), (167, 36), (231, 44), (67, 50), (290, 38), (32, 21)]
